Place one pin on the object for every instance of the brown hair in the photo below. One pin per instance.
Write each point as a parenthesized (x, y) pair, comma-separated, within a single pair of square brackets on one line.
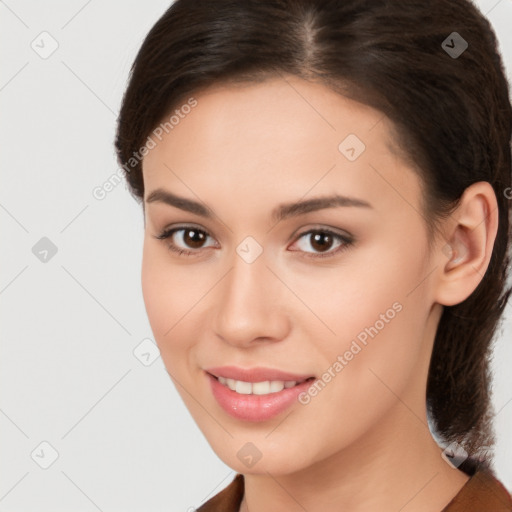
[(451, 115)]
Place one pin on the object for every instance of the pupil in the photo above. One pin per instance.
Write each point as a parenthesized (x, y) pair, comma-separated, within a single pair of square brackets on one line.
[(194, 241), (322, 240)]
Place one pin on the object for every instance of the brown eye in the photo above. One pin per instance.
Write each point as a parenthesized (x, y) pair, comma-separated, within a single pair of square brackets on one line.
[(189, 241), (321, 241), (194, 238)]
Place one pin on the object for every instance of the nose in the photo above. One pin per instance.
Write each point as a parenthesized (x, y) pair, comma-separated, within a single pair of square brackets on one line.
[(252, 305)]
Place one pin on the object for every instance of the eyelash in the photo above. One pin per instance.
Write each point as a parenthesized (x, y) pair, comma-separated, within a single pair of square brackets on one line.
[(346, 241)]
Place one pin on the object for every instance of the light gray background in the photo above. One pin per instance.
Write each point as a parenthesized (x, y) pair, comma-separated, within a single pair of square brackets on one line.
[(69, 375)]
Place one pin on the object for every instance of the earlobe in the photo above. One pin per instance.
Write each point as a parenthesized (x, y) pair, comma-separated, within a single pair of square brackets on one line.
[(464, 258)]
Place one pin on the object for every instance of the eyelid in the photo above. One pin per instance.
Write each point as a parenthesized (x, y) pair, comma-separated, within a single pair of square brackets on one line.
[(323, 228), (346, 241), (346, 238), (169, 231)]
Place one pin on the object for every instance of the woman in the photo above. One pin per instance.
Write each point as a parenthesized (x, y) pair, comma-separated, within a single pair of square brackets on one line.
[(325, 194)]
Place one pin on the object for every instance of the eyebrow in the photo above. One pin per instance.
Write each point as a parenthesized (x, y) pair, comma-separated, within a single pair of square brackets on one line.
[(281, 212)]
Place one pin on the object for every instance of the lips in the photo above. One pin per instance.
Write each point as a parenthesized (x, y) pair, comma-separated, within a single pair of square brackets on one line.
[(256, 407), (257, 374)]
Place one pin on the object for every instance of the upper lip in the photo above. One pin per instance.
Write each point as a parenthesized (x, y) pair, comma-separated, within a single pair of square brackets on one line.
[(257, 374)]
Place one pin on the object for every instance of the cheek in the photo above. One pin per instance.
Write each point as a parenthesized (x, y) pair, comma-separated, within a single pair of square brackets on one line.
[(376, 308), (168, 295), (175, 297), (365, 291), (156, 299), (380, 366), (378, 311)]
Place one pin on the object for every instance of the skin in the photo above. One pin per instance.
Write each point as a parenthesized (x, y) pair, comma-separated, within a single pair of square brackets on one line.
[(363, 442)]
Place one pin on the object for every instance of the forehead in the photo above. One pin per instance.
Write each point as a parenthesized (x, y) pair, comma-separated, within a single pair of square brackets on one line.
[(284, 133), (289, 107)]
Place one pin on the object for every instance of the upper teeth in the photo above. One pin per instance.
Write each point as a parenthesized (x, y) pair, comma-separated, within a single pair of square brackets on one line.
[(257, 388)]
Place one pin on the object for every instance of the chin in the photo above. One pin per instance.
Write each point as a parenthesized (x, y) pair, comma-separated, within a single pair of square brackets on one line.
[(248, 455)]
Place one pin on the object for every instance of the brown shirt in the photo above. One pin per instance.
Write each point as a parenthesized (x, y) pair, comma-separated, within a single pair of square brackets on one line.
[(481, 493)]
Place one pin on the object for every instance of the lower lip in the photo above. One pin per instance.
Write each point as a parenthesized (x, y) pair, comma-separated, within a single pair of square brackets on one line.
[(255, 407)]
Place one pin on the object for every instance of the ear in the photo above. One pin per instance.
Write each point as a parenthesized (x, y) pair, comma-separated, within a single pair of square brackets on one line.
[(465, 253)]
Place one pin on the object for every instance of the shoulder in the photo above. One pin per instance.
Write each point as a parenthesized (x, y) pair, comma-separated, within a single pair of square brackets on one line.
[(227, 500), (483, 492)]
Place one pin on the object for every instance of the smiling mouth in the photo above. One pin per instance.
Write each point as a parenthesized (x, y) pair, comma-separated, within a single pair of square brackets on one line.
[(259, 388)]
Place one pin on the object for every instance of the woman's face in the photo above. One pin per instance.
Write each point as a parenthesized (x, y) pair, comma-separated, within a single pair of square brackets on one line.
[(339, 292)]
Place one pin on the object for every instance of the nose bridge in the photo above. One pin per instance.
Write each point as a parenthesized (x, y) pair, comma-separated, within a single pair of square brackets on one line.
[(248, 303), (245, 285)]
